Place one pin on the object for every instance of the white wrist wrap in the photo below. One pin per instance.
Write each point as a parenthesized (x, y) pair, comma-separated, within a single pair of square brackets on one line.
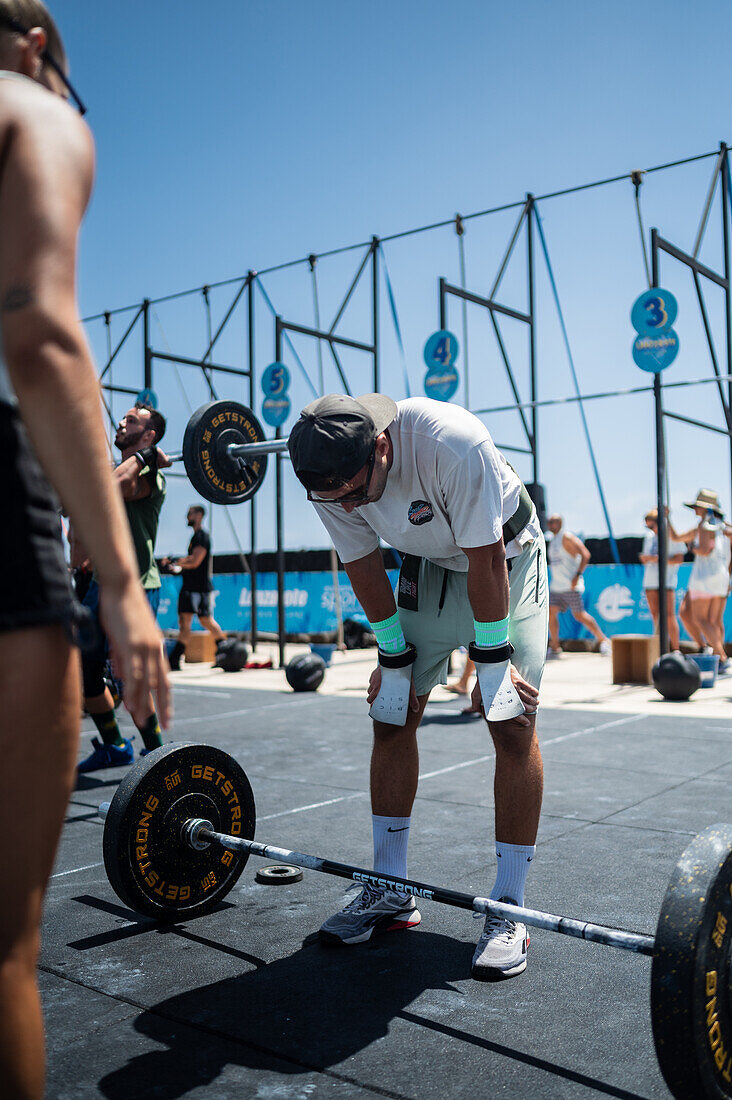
[(493, 668), (391, 705)]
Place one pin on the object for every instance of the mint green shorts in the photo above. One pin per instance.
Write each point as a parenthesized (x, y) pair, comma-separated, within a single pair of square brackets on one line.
[(437, 632)]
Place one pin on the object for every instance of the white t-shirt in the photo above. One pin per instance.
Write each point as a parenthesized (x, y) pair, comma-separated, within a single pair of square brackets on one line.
[(650, 569), (563, 565), (448, 487)]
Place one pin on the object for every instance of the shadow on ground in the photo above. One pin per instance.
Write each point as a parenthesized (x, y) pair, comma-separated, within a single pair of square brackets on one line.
[(312, 1011)]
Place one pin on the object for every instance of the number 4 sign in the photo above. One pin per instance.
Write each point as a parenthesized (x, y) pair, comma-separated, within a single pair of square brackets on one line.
[(441, 350)]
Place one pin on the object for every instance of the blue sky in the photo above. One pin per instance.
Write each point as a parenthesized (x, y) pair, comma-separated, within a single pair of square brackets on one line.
[(241, 135)]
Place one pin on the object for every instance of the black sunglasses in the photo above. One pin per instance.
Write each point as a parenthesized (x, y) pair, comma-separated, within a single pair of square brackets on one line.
[(13, 25), (357, 496)]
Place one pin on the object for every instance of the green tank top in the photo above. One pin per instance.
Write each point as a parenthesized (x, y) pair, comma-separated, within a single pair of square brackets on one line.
[(143, 516)]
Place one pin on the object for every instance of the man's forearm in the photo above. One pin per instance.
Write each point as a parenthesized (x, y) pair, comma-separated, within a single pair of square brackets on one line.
[(372, 586), (488, 583)]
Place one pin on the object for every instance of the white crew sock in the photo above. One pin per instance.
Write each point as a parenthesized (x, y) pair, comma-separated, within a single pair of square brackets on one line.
[(391, 835), (514, 861)]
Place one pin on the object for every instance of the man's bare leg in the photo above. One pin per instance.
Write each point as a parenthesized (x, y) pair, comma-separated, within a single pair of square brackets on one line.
[(185, 620), (587, 621), (209, 623), (554, 630), (38, 741), (395, 765), (518, 784)]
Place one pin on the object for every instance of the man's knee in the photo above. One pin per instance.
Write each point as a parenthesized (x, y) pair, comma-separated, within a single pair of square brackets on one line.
[(512, 739), (384, 732)]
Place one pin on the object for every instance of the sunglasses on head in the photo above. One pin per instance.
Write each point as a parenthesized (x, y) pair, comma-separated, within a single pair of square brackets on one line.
[(13, 25)]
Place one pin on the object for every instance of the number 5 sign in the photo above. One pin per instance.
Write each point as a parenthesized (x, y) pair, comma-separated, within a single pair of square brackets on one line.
[(276, 380)]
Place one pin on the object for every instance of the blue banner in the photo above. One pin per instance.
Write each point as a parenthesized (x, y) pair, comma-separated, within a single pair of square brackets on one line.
[(613, 596), (310, 601)]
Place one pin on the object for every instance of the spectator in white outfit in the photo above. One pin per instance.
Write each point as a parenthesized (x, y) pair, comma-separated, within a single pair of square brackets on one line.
[(568, 557), (708, 589), (649, 558)]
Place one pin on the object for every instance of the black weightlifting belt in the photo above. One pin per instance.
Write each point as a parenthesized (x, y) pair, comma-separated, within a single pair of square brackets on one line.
[(515, 525), (408, 589)]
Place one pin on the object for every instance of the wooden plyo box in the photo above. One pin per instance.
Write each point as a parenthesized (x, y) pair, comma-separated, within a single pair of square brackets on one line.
[(201, 647), (634, 655)]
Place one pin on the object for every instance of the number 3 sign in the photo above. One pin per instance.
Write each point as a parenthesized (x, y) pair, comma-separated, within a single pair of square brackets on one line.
[(656, 345)]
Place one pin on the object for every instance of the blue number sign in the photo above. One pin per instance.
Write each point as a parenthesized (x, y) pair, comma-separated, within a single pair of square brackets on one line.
[(147, 399), (652, 316), (654, 352), (654, 311), (275, 410), (441, 383), (441, 350), (276, 380)]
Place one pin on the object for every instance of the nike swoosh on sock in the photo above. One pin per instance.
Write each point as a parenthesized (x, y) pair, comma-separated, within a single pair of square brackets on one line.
[(402, 830)]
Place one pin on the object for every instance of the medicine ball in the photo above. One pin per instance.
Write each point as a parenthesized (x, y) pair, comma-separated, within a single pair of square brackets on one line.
[(231, 655), (675, 676), (306, 672)]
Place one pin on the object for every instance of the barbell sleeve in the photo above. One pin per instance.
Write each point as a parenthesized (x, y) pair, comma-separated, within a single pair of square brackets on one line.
[(245, 450)]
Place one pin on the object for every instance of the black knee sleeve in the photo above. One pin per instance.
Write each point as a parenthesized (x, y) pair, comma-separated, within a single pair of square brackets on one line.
[(92, 675)]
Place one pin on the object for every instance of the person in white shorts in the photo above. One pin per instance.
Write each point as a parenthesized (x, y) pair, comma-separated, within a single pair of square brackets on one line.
[(425, 477), (568, 558), (708, 589), (649, 559)]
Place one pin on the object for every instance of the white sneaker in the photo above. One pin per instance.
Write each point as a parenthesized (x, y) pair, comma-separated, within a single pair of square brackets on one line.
[(373, 910), (605, 647), (501, 950)]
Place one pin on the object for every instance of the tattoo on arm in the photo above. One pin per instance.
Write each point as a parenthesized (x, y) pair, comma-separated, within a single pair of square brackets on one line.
[(17, 297)]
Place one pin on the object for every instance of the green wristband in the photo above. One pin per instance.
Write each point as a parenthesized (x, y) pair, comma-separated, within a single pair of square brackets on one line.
[(389, 635), (491, 634)]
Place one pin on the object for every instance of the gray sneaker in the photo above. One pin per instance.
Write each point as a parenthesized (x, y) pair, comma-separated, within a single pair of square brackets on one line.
[(373, 910), (501, 950)]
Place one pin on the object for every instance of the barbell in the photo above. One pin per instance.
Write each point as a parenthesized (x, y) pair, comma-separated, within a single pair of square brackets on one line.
[(180, 829), (225, 452)]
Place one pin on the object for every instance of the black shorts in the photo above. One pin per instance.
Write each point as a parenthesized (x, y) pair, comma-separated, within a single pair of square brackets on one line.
[(35, 588), (194, 603)]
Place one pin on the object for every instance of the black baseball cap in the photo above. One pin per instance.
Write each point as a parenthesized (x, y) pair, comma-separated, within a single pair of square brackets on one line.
[(335, 436)]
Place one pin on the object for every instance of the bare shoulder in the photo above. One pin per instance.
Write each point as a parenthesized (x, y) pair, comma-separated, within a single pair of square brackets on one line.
[(35, 121)]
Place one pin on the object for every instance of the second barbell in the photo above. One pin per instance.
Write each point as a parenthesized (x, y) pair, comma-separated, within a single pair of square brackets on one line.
[(225, 452)]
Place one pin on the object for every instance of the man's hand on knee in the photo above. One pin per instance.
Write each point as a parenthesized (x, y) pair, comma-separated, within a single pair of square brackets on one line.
[(375, 691), (528, 696)]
